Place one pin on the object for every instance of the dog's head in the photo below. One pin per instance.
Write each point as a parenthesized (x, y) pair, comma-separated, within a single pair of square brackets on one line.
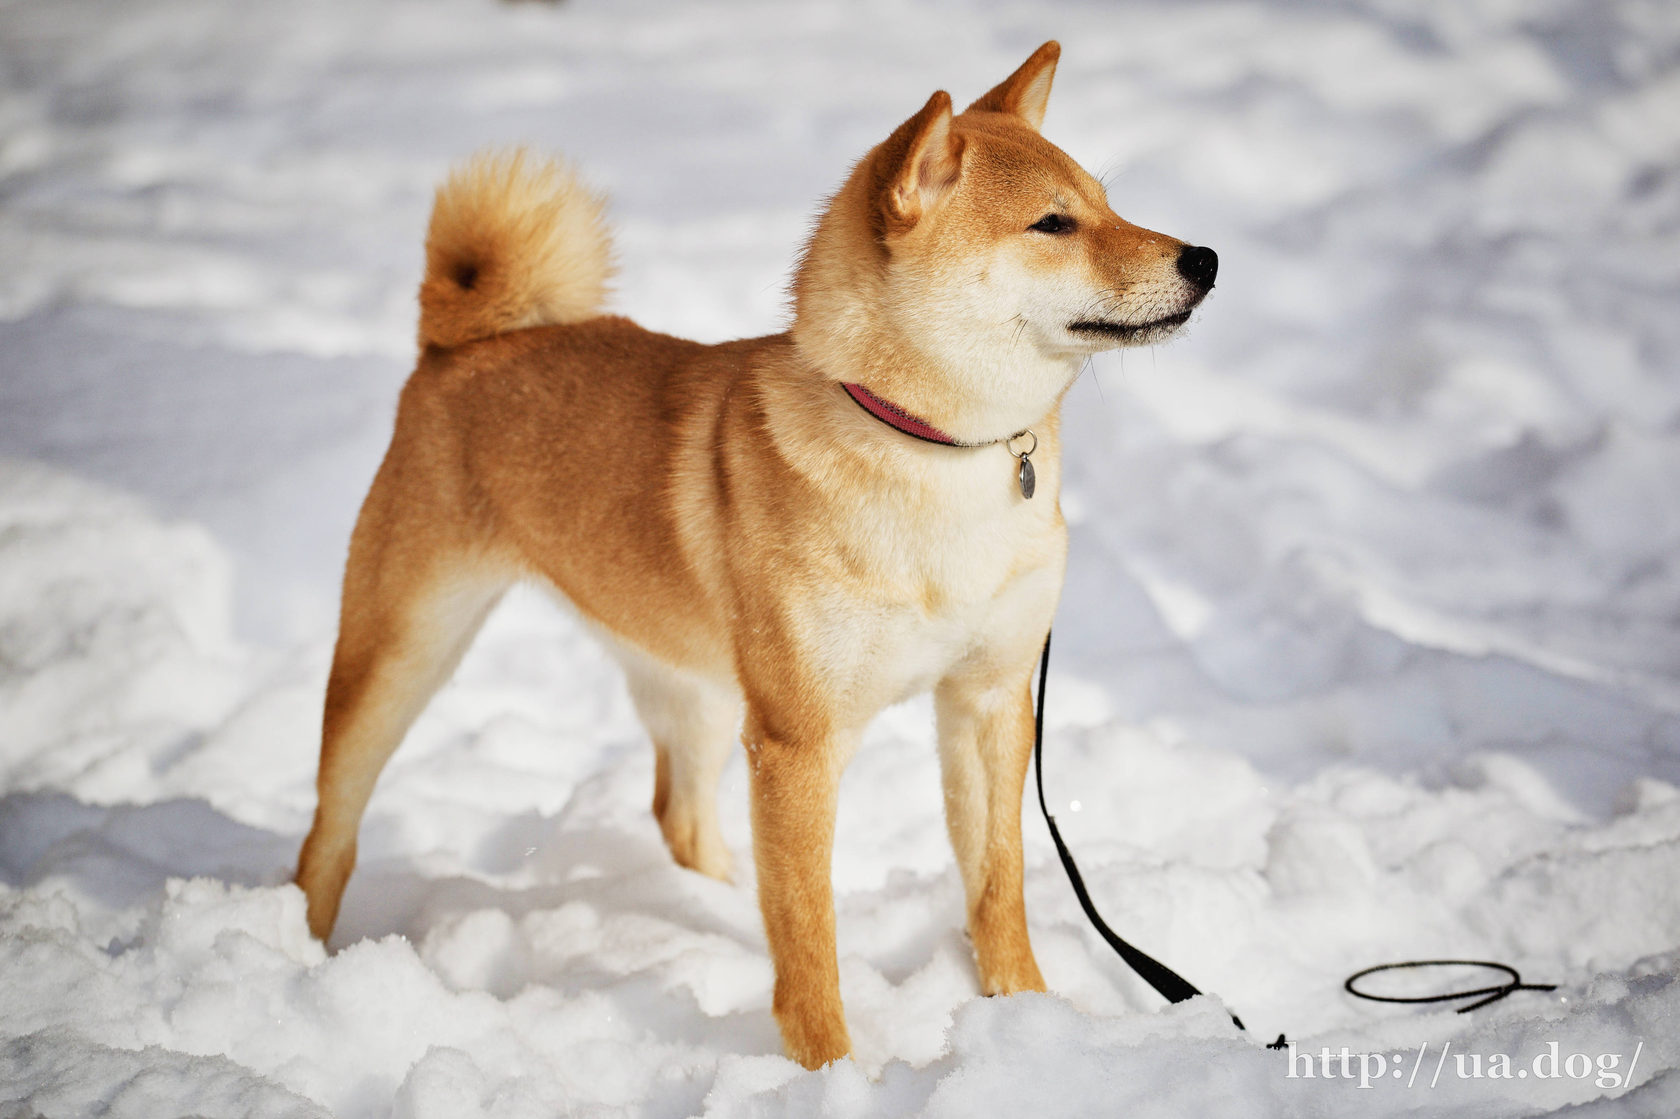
[(968, 266)]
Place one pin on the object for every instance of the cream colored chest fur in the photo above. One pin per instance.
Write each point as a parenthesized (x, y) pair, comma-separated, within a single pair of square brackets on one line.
[(951, 565)]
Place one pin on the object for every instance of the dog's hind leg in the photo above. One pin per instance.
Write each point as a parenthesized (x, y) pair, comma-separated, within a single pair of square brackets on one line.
[(985, 742), (410, 610), (694, 723)]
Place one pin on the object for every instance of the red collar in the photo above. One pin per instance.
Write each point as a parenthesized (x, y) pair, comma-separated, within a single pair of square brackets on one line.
[(894, 416), (900, 420)]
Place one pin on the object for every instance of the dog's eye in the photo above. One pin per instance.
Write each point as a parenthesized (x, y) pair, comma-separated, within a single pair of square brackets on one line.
[(1053, 223)]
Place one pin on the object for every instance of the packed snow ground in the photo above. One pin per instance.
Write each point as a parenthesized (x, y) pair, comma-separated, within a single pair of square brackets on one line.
[(1370, 647)]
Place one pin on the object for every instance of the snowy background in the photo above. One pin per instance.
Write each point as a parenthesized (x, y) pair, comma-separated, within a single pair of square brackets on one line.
[(1370, 647)]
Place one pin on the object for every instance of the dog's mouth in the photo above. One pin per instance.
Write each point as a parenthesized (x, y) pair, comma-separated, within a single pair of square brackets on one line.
[(1130, 332)]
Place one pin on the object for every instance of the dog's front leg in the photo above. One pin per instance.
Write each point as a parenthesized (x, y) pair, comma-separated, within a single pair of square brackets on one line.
[(985, 742), (795, 777)]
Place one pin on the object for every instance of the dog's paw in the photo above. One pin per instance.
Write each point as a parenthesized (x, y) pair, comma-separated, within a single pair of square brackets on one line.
[(1009, 973), (696, 847), (815, 1038)]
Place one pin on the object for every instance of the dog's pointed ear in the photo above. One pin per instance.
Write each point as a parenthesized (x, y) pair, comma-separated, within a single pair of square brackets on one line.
[(1026, 92), (921, 162)]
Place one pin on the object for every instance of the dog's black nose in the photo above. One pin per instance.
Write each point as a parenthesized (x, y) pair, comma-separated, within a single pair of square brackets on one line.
[(1198, 264)]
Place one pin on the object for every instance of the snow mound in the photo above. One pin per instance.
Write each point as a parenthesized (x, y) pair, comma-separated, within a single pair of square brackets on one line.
[(518, 943)]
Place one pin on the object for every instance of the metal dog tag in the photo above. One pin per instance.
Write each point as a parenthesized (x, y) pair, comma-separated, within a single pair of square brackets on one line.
[(1025, 475)]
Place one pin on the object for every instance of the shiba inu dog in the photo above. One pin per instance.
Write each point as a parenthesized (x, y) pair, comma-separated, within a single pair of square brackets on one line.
[(794, 532)]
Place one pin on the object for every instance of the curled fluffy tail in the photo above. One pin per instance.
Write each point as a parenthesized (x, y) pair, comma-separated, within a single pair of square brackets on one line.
[(514, 241)]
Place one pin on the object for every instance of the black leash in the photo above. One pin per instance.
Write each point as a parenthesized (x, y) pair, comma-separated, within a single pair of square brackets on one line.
[(1174, 987), (1492, 994)]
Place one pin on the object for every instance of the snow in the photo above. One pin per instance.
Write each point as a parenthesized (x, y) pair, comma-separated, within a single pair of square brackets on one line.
[(1370, 648)]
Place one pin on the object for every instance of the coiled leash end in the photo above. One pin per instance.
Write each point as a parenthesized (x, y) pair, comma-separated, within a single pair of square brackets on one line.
[(1174, 987)]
